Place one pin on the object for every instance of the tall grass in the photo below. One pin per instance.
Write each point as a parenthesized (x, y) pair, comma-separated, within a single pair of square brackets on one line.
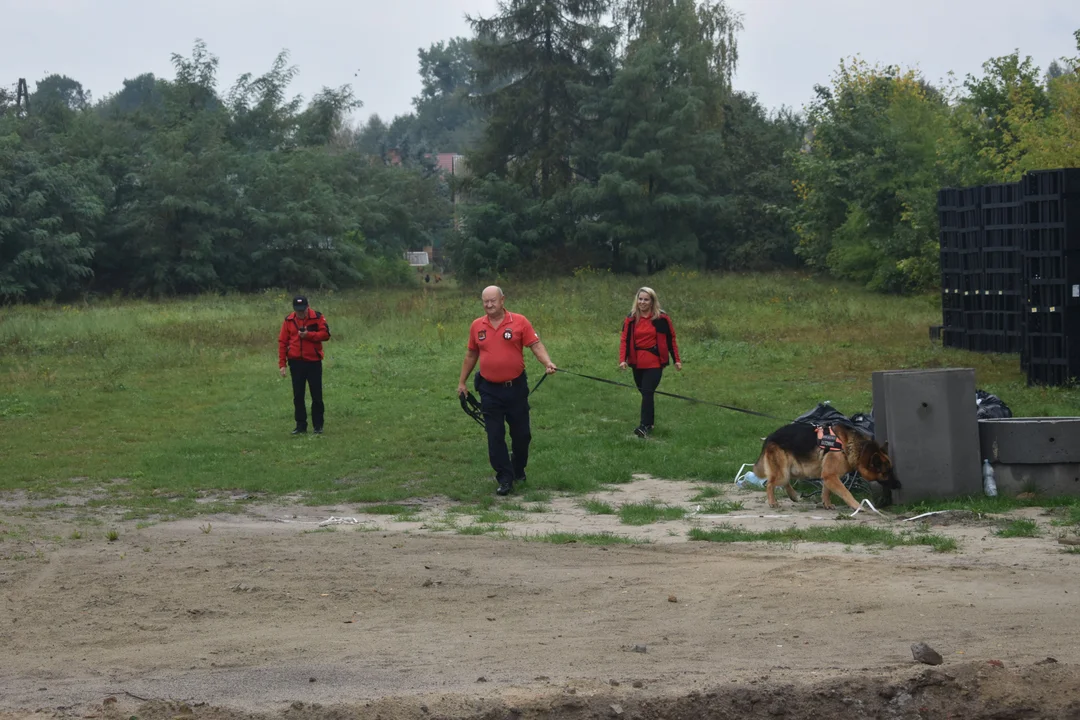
[(159, 404)]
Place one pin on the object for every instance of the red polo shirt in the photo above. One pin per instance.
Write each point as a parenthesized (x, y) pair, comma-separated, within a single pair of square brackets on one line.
[(501, 355)]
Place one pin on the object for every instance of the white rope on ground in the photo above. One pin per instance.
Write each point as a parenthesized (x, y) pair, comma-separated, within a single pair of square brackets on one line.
[(741, 469), (868, 504), (339, 521), (935, 512)]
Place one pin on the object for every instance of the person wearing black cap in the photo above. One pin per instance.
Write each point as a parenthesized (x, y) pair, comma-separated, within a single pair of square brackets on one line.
[(300, 350)]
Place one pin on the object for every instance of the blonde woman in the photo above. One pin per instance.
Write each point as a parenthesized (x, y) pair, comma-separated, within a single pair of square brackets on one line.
[(647, 345)]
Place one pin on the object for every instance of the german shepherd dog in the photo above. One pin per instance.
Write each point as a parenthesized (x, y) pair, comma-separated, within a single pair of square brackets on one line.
[(801, 451)]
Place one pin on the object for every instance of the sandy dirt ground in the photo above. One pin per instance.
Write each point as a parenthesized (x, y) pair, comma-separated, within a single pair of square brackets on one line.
[(279, 613)]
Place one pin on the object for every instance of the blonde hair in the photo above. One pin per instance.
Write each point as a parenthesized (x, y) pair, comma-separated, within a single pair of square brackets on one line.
[(655, 310)]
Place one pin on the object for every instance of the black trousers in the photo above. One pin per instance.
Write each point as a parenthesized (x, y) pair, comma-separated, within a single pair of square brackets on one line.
[(503, 406), (647, 381), (309, 372)]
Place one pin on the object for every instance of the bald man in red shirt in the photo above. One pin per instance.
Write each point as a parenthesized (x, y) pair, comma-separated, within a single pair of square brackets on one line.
[(497, 340)]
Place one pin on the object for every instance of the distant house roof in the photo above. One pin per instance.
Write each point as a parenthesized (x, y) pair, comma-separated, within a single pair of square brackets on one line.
[(449, 163), (445, 162)]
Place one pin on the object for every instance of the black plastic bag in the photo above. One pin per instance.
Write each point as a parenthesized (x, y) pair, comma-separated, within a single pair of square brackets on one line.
[(990, 406), (826, 414)]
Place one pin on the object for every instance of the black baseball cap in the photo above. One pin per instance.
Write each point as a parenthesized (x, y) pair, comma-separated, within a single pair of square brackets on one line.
[(299, 302)]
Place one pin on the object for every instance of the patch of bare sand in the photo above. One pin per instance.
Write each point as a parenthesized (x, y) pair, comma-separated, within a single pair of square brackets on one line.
[(279, 613)]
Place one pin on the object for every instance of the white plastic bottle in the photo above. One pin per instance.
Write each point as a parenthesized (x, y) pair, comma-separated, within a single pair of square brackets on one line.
[(989, 482)]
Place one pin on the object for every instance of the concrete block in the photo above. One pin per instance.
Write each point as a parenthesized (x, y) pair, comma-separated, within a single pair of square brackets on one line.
[(928, 417), (1040, 455)]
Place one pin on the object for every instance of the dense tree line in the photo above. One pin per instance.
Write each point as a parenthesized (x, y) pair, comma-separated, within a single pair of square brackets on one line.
[(603, 133), (615, 138), (883, 140), (170, 187)]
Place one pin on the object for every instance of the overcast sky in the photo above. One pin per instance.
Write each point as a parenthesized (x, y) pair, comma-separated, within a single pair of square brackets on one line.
[(786, 46)]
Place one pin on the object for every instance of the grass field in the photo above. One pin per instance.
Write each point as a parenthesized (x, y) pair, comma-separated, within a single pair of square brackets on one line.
[(176, 407)]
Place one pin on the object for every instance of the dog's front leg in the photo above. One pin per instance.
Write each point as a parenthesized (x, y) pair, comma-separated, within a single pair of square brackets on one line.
[(833, 482)]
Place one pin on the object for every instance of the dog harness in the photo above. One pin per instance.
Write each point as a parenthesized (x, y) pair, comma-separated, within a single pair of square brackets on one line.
[(827, 439)]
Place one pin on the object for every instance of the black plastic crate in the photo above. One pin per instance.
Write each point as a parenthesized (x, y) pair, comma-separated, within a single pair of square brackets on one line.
[(995, 322), (953, 338), (1048, 374), (970, 240), (1050, 297), (969, 196), (1001, 194), (968, 218), (1001, 259), (1051, 211), (1048, 266), (1047, 183), (1001, 282), (948, 218), (973, 282), (952, 301), (951, 262), (1046, 347), (996, 342), (1051, 239), (951, 240), (1003, 215), (952, 283), (1003, 302), (948, 197), (1043, 322), (1010, 238)]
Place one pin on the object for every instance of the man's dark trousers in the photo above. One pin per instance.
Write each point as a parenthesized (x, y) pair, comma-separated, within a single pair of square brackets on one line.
[(509, 404), (307, 371)]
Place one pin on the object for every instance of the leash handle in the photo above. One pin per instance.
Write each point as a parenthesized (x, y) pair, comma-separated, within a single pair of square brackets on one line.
[(471, 406)]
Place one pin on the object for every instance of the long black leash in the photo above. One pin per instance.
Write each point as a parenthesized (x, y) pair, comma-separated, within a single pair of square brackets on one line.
[(679, 397), (471, 405), (472, 408)]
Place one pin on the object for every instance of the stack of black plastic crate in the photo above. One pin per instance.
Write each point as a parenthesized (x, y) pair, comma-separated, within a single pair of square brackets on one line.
[(1051, 256), (952, 306), (1002, 213), (1010, 271), (961, 268)]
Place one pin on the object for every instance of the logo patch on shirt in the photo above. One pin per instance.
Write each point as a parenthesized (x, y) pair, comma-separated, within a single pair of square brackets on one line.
[(507, 335), (482, 335)]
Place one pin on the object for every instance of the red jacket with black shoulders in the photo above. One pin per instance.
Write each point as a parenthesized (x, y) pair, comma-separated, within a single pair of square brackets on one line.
[(666, 347), (293, 347)]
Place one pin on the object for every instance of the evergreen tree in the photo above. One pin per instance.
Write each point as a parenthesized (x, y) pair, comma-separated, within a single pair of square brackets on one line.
[(660, 130), (541, 54)]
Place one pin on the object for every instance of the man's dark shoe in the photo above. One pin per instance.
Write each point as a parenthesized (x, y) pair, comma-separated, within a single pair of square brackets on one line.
[(641, 431), (298, 431), (318, 431), (520, 479), (505, 487)]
